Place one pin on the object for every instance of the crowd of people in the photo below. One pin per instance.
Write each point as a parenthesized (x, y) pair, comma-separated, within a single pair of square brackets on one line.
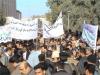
[(67, 55)]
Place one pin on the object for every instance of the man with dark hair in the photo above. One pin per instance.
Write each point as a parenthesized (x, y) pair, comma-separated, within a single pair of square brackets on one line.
[(42, 57), (89, 51), (9, 44), (39, 70), (82, 60), (63, 69), (14, 63), (92, 59), (89, 69), (48, 67), (4, 70), (6, 56)]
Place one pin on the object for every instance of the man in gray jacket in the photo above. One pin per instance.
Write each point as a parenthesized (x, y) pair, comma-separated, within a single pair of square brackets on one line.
[(6, 56)]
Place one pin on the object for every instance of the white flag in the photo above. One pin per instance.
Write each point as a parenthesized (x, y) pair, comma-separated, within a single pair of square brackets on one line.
[(55, 30), (89, 35)]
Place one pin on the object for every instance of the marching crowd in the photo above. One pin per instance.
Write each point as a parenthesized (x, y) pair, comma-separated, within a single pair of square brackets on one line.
[(67, 55)]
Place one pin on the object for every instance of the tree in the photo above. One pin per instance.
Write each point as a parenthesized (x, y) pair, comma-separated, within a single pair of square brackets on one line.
[(55, 7), (2, 20), (80, 10)]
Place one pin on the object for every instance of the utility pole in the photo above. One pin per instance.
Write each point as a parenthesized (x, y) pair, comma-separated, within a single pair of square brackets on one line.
[(68, 19)]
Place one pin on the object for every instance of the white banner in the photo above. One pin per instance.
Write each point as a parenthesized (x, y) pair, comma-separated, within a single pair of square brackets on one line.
[(55, 30), (89, 35), (23, 30), (4, 34)]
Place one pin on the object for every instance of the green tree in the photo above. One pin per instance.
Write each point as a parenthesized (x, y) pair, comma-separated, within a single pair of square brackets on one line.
[(55, 6), (2, 20), (80, 10)]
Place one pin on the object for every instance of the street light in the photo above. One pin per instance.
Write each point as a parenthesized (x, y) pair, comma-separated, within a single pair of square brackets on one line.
[(68, 18)]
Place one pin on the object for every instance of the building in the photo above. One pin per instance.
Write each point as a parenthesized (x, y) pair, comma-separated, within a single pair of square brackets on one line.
[(18, 14), (8, 9)]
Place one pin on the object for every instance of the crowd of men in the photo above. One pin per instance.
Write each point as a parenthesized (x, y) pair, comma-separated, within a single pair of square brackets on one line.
[(67, 55)]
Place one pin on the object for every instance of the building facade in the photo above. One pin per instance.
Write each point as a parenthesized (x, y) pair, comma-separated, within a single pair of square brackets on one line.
[(8, 8)]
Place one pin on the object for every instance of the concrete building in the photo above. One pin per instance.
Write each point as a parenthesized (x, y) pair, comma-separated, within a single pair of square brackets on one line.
[(8, 8)]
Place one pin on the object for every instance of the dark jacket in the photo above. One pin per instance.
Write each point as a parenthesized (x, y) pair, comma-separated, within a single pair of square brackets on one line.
[(61, 73)]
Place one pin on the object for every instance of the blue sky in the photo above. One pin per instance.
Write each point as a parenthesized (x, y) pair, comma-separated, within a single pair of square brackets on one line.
[(32, 7)]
